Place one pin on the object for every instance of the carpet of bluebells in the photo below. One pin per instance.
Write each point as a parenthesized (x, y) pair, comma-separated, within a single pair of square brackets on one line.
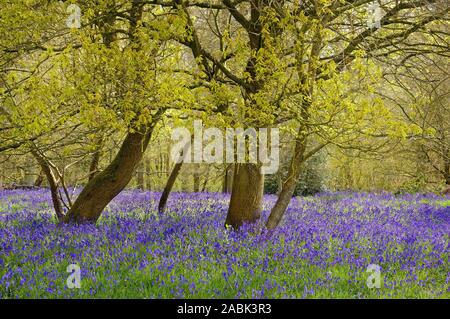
[(321, 250)]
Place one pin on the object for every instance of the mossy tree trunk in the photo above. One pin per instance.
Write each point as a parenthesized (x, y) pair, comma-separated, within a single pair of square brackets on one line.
[(168, 188), (110, 182), (52, 182), (172, 178), (288, 187), (95, 159), (246, 195)]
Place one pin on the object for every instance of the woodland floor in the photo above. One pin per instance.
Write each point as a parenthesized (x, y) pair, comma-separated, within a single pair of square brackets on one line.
[(321, 250)]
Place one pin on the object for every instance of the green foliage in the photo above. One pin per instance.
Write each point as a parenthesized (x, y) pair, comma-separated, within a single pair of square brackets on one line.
[(415, 185), (323, 75), (311, 181)]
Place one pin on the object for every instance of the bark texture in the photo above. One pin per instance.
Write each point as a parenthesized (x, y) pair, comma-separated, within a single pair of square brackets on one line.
[(288, 188), (95, 160), (52, 183), (168, 188), (228, 179), (109, 183), (171, 180), (246, 197)]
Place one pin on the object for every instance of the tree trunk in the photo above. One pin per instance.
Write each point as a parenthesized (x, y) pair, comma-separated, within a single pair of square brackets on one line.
[(447, 168), (279, 183), (40, 179), (288, 188), (205, 183), (447, 177), (148, 180), (95, 160), (109, 183), (228, 179), (225, 181), (140, 176), (196, 177), (171, 180), (446, 190), (246, 196), (168, 188), (46, 169)]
